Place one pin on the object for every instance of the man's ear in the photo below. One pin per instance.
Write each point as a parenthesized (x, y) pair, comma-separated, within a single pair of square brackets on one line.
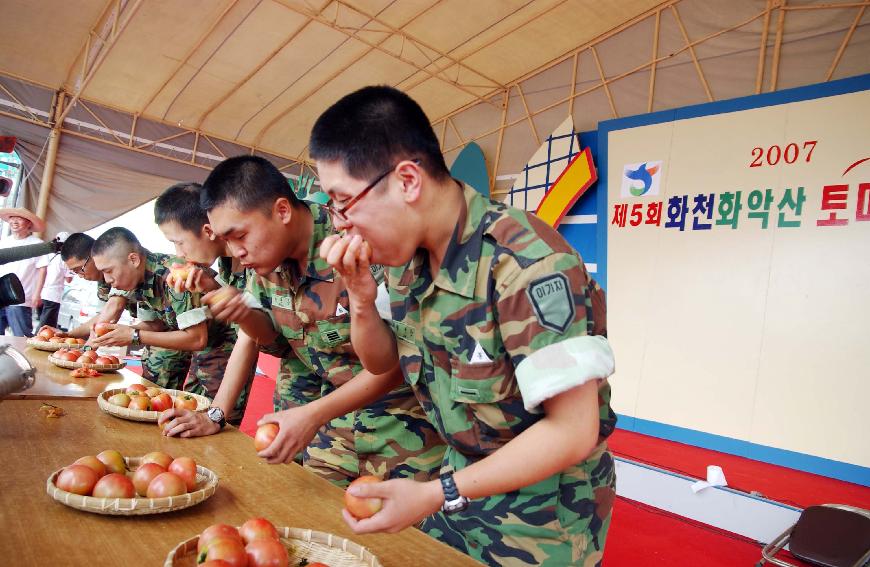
[(135, 259), (411, 176), (208, 232), (283, 210)]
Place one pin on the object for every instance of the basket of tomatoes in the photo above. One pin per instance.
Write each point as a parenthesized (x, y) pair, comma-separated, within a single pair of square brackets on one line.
[(138, 402), (258, 542), (76, 358), (46, 339), (110, 483)]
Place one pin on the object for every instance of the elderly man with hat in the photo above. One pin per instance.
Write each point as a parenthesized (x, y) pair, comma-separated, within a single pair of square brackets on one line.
[(23, 224)]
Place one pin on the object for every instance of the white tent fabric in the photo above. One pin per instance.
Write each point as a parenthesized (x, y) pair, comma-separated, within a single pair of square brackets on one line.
[(162, 92)]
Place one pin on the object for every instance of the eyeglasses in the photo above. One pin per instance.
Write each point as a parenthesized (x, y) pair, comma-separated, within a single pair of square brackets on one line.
[(341, 213), (81, 269)]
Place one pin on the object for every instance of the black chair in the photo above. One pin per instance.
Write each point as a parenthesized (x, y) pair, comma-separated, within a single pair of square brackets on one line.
[(832, 535)]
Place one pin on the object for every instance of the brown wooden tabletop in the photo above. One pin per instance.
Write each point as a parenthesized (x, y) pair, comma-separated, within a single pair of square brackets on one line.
[(36, 530), (55, 382)]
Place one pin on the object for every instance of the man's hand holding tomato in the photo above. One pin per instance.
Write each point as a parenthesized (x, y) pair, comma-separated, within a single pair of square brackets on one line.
[(118, 335), (297, 427), (227, 304), (405, 503), (186, 423), (351, 257), (191, 277)]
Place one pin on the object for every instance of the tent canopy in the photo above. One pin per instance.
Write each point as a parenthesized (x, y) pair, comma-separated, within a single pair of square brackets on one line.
[(147, 93), (259, 72)]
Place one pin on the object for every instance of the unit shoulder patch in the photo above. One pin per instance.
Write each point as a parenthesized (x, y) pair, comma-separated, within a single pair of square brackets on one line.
[(552, 301)]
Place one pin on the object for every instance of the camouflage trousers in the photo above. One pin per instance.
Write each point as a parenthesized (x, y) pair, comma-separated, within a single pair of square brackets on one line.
[(388, 439), (166, 368), (206, 374), (562, 520)]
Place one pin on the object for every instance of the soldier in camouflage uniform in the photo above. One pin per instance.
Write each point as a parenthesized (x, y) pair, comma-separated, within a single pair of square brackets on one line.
[(298, 296), (178, 215), (498, 329), (158, 365), (174, 320)]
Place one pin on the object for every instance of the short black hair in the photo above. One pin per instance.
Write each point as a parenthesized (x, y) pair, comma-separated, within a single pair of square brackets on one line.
[(180, 203), (250, 182), (372, 129), (77, 245), (113, 236)]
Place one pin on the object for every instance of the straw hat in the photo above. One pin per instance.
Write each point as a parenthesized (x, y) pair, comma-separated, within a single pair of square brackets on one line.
[(38, 223)]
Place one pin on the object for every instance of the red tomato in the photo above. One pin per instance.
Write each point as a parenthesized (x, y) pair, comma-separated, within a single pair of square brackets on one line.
[(265, 435), (86, 359), (362, 507), (140, 403), (114, 461), (45, 334), (101, 329), (77, 479), (114, 359), (216, 531), (57, 340), (219, 563), (69, 356), (185, 401), (114, 485), (257, 528), (71, 341), (166, 484), (161, 402), (135, 389), (185, 468), (103, 360), (228, 549), (144, 475), (267, 553), (151, 392), (94, 463), (162, 459)]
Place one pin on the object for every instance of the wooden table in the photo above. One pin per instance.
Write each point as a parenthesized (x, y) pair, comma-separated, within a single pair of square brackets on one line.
[(36, 530), (55, 382)]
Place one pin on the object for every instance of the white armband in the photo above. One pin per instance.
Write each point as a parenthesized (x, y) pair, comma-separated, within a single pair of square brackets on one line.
[(558, 367), (193, 317)]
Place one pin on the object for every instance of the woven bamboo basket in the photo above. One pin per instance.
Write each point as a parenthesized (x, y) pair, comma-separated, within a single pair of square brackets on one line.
[(301, 544), (74, 365), (202, 404), (46, 345), (206, 484)]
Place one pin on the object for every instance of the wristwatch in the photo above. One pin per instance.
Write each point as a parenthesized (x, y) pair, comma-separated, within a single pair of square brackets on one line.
[(134, 340), (453, 501), (216, 414)]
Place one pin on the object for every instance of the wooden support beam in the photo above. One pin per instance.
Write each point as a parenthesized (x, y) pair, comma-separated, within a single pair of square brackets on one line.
[(762, 50), (504, 108), (528, 114), (777, 47), (653, 65), (692, 53), (604, 81), (845, 43), (117, 30)]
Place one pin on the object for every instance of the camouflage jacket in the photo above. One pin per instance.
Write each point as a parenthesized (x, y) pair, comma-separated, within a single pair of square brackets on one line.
[(509, 286)]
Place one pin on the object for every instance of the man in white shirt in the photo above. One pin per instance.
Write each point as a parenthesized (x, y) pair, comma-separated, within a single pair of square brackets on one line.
[(22, 223)]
